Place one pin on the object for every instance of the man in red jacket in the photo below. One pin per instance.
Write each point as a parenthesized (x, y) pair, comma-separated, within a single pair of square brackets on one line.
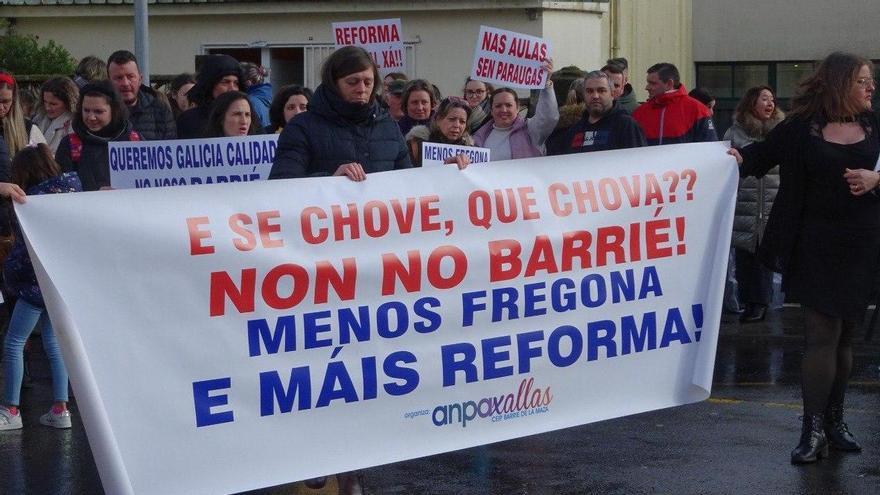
[(670, 115)]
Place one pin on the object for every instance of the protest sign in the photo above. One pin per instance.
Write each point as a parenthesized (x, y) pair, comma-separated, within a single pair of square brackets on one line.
[(437, 153), (183, 162), (380, 38), (506, 58), (229, 337)]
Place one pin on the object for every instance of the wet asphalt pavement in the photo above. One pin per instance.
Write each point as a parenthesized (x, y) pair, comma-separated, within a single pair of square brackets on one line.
[(737, 442)]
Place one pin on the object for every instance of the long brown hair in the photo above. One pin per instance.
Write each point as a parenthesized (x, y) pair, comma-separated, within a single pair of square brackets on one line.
[(827, 93), (746, 105), (33, 165)]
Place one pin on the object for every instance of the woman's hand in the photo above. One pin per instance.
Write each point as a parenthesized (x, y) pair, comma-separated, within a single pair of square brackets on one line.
[(735, 153), (460, 160), (548, 66), (9, 190), (861, 181), (353, 171)]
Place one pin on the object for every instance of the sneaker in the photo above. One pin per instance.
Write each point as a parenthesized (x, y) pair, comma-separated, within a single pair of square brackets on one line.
[(9, 421), (59, 420)]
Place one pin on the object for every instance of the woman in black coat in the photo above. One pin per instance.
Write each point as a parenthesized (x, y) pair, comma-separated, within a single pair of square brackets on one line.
[(346, 131), (101, 117), (823, 234)]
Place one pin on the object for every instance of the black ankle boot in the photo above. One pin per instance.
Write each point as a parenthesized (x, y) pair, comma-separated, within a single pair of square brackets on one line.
[(837, 431), (754, 313), (813, 445)]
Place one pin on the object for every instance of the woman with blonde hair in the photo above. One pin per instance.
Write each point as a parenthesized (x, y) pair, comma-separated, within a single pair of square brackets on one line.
[(823, 234), (58, 99), (449, 126), (17, 130)]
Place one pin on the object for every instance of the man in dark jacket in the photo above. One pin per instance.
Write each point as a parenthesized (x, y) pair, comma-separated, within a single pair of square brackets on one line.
[(670, 115), (218, 74), (149, 115), (604, 126)]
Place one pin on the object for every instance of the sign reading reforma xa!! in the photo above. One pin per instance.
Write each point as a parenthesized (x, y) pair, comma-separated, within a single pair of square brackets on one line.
[(423, 310)]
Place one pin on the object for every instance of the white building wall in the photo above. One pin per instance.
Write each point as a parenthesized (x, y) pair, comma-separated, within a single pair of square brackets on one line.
[(747, 30)]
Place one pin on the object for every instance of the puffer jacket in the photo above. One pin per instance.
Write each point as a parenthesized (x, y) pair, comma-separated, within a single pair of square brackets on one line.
[(151, 116), (675, 117), (333, 133), (18, 272), (260, 96), (755, 196)]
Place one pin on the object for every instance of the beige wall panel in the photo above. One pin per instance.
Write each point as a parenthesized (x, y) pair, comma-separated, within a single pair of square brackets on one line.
[(576, 38), (651, 31), (748, 30)]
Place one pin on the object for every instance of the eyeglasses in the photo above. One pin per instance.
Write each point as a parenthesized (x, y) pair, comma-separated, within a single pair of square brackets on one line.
[(474, 92), (865, 82)]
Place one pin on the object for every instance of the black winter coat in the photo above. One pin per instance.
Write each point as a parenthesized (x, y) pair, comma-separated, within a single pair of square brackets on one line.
[(333, 133), (151, 117), (93, 166), (193, 123), (786, 145), (616, 130)]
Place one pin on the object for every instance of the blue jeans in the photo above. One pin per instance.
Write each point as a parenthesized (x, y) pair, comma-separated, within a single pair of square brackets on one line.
[(24, 318)]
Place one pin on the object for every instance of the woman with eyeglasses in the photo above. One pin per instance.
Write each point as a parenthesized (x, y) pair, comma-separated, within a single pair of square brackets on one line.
[(449, 126), (476, 93), (823, 233)]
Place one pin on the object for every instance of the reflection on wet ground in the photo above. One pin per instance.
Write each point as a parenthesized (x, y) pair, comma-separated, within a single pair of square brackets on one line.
[(736, 442)]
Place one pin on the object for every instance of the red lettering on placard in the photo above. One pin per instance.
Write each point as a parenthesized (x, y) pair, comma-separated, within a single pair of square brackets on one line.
[(196, 247)]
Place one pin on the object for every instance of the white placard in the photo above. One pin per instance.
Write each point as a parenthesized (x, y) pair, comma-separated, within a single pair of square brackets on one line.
[(507, 58), (381, 38), (437, 153), (183, 162)]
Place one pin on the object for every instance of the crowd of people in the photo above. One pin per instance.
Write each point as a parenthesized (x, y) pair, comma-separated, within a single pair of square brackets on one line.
[(807, 205)]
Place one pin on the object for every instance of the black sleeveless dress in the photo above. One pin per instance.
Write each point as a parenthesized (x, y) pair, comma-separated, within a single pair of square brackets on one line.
[(836, 254)]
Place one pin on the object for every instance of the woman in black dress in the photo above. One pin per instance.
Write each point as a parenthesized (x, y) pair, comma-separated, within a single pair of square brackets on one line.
[(823, 234)]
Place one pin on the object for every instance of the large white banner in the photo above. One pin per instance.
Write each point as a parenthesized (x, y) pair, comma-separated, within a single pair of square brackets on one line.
[(184, 162), (228, 337)]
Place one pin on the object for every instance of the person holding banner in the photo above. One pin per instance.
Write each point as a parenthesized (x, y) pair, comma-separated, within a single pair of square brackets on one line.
[(33, 172), (511, 136), (449, 126), (290, 101), (823, 234), (233, 115), (101, 117), (346, 131)]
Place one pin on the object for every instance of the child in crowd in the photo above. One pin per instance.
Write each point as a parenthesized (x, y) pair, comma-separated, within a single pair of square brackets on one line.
[(33, 172)]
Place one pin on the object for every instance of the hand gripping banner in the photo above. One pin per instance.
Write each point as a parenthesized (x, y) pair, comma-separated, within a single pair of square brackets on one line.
[(226, 337)]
